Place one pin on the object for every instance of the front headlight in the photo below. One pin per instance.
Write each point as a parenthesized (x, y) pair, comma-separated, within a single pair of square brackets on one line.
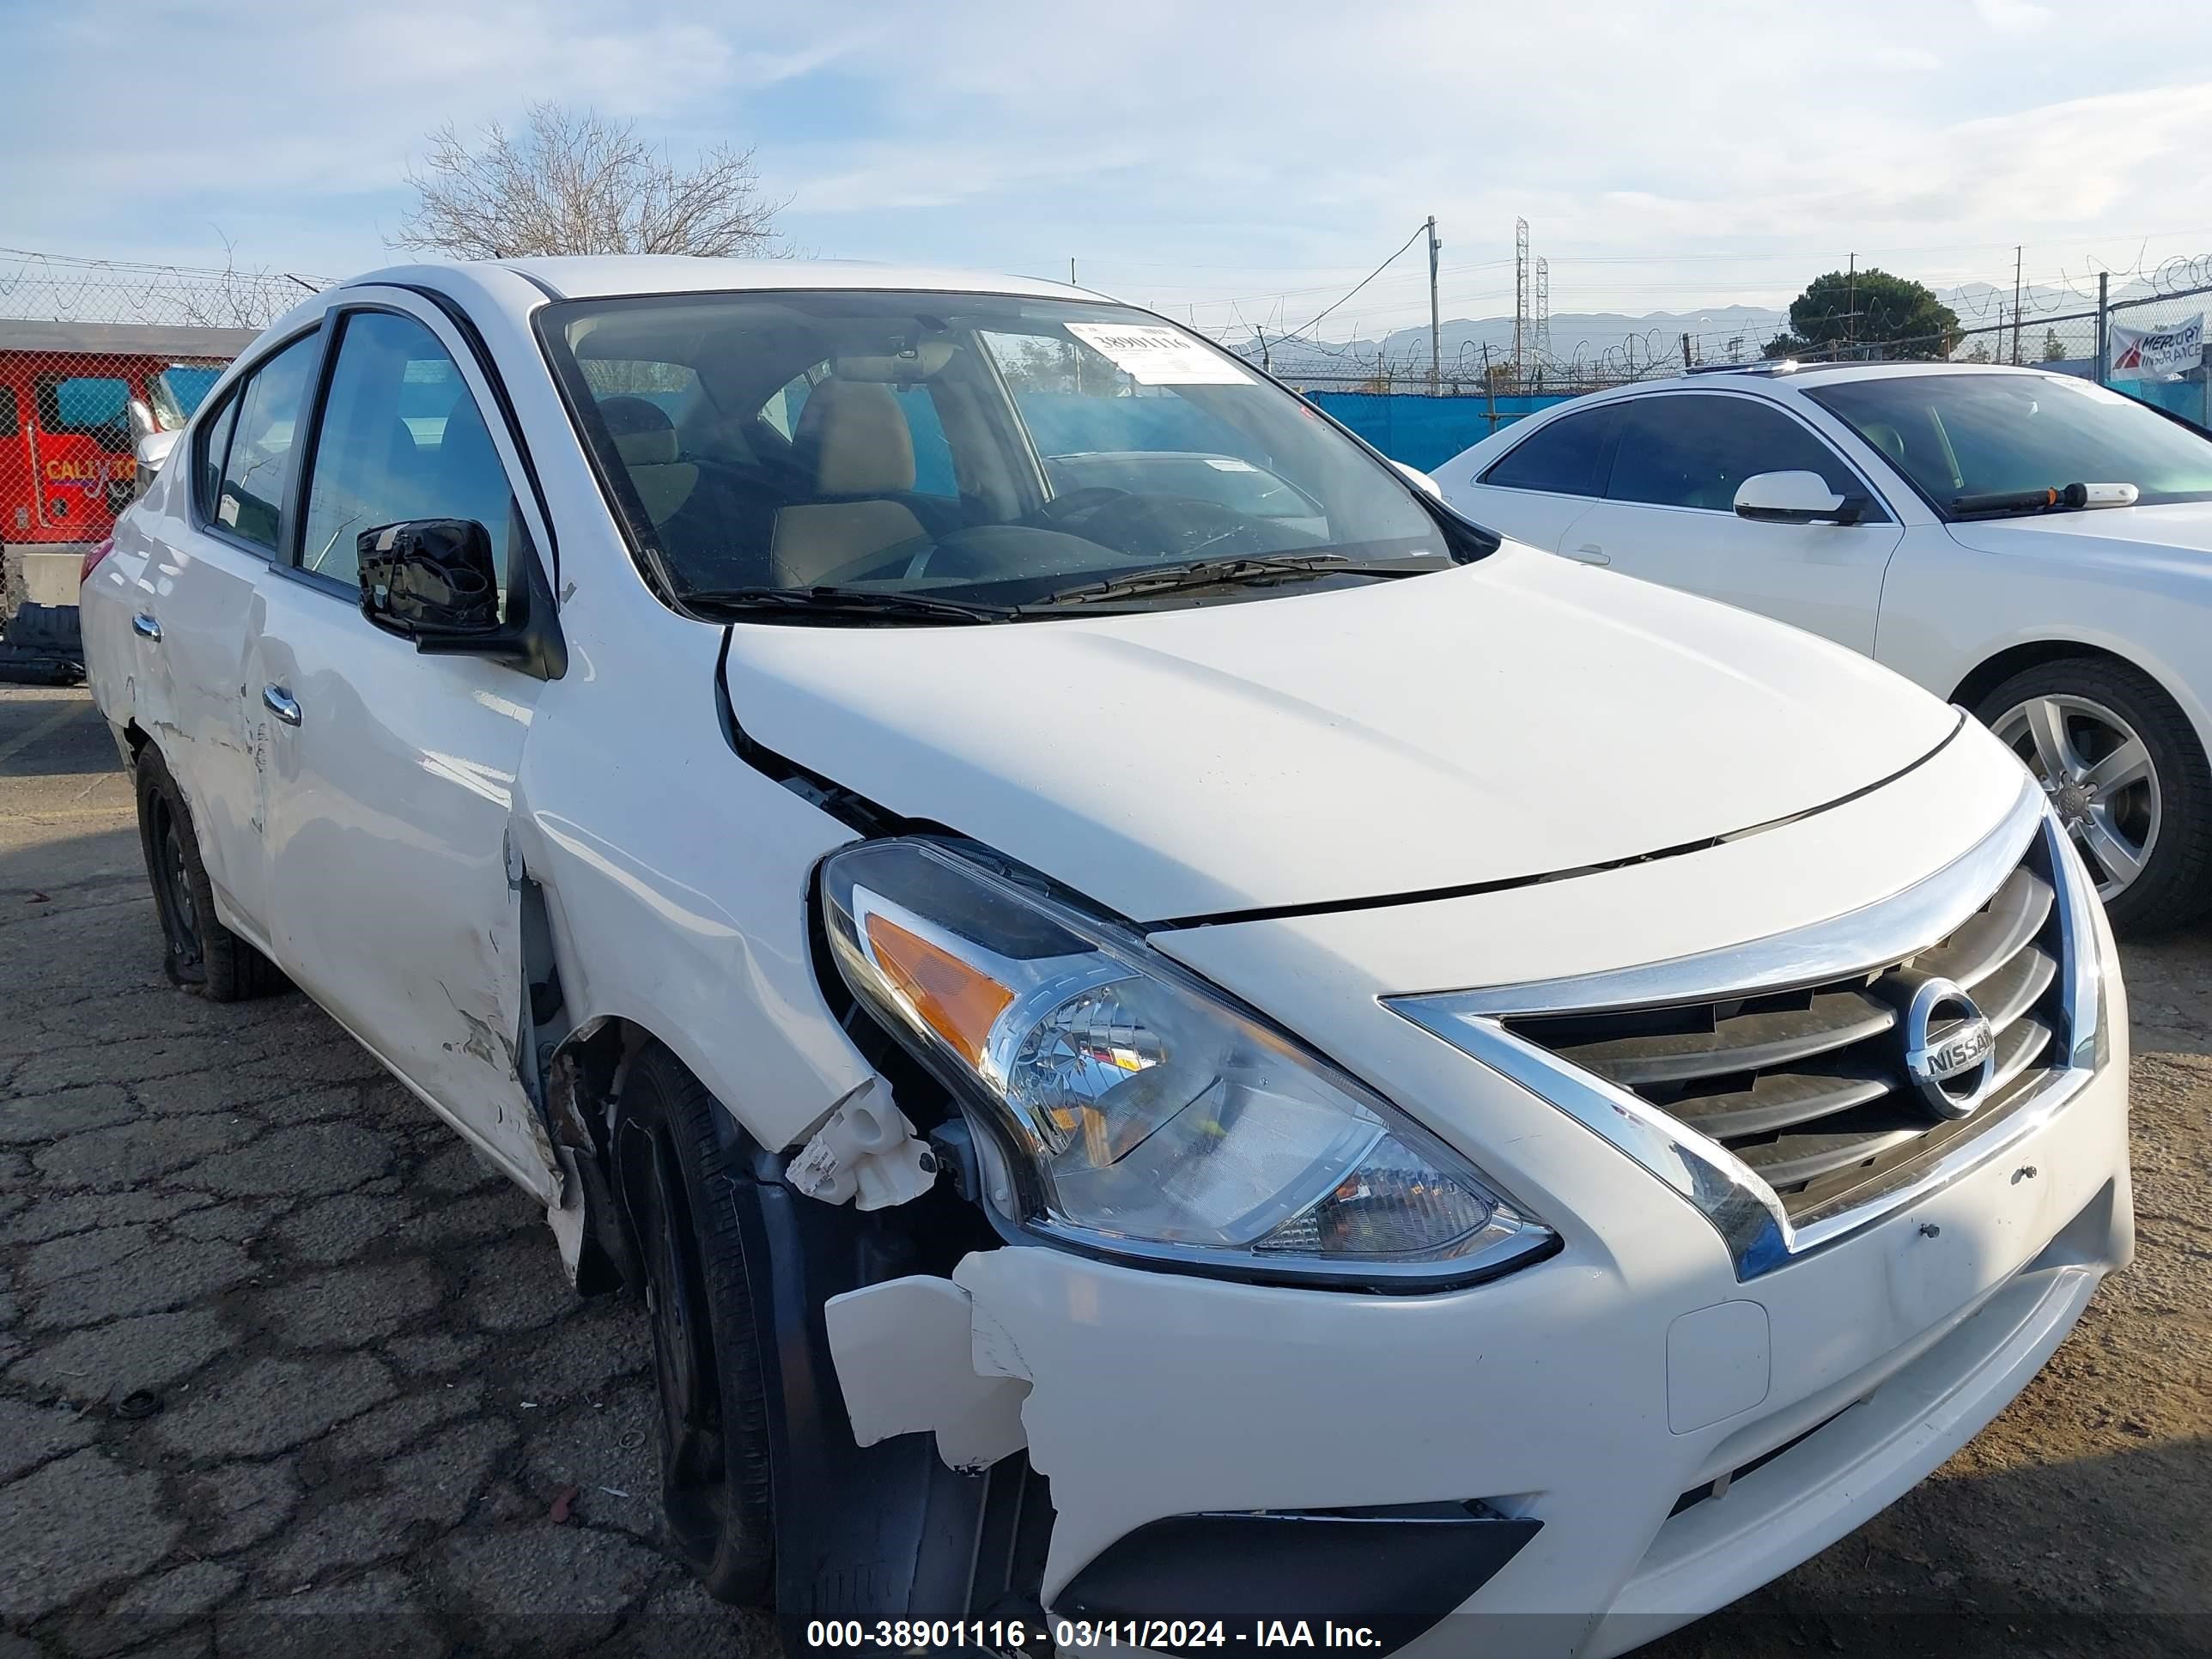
[(1143, 1112)]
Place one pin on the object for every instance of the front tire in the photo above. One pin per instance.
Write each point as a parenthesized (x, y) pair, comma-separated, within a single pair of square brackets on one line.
[(2128, 778), (675, 1155), (204, 957)]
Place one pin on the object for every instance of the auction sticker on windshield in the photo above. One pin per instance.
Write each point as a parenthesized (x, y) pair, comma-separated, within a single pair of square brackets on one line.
[(1151, 354)]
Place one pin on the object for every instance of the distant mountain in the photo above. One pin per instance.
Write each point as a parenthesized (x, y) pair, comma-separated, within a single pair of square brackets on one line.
[(1591, 336), (1612, 340)]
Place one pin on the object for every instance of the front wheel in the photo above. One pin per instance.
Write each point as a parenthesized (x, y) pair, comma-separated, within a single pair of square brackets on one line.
[(2127, 778), (674, 1160)]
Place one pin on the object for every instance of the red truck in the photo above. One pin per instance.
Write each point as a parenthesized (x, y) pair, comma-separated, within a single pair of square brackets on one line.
[(66, 465)]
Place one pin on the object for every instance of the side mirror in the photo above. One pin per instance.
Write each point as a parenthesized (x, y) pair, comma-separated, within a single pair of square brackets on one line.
[(1420, 479), (141, 418), (1796, 498), (436, 583), (151, 450), (430, 580)]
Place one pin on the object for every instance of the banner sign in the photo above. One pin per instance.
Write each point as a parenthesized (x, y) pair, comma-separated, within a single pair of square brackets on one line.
[(2148, 353)]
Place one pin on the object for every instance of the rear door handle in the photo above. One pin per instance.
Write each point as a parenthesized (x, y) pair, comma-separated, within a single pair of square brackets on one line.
[(1591, 553), (280, 703), (146, 627)]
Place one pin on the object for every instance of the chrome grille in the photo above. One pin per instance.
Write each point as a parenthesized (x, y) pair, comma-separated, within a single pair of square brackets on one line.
[(1808, 1086)]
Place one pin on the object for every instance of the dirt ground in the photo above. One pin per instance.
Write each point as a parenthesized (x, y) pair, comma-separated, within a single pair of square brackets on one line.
[(282, 1369)]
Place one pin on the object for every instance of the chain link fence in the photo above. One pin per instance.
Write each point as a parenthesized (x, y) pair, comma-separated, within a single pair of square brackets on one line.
[(96, 355)]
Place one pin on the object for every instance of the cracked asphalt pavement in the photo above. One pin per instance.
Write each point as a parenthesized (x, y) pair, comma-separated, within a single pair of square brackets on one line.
[(366, 1386), (284, 1369)]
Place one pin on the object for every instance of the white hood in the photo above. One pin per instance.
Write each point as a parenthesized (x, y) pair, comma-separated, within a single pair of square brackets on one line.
[(1521, 716), (2178, 536)]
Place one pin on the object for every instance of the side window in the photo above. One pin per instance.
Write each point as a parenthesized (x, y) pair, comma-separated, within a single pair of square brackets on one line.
[(933, 455), (1567, 457), (91, 406), (782, 411), (250, 496), (1689, 450), (401, 438), (212, 444)]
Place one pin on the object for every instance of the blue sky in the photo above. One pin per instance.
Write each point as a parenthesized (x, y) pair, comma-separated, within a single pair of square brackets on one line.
[(1228, 161)]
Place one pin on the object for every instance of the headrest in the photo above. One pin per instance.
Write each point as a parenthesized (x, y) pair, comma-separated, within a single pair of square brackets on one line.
[(857, 435), (1886, 438), (644, 434)]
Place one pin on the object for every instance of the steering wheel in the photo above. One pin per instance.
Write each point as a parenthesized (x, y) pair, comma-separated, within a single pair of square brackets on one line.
[(977, 553), (1162, 528)]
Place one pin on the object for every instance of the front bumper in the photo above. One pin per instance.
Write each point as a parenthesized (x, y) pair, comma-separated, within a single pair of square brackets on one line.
[(1683, 1428), (1554, 1394)]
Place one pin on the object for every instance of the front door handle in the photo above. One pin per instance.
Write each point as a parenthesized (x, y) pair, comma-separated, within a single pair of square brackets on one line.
[(280, 703), (1591, 553), (146, 627)]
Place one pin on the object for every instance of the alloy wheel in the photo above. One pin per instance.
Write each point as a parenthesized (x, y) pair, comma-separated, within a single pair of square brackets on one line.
[(2097, 772)]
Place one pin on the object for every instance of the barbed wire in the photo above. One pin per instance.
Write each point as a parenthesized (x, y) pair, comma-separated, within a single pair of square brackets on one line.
[(67, 289)]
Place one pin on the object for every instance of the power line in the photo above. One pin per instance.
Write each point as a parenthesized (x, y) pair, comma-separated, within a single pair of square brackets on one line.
[(1418, 232)]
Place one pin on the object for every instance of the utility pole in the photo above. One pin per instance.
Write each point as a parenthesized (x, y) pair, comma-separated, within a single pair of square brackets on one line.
[(1686, 353), (2104, 364), (1489, 388), (1071, 271), (1852, 307), (2016, 305), (1435, 347)]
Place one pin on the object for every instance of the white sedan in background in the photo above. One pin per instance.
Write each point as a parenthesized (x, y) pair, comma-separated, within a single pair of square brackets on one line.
[(1921, 514)]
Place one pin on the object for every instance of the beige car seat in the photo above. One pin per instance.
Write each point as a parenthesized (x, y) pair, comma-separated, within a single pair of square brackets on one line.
[(858, 436), (645, 438)]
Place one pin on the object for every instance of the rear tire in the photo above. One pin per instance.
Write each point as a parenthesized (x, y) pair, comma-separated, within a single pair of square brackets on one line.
[(2128, 777), (202, 956), (675, 1156)]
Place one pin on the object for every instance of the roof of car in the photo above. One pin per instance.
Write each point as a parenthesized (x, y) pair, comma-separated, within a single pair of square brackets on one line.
[(591, 277), (1787, 374)]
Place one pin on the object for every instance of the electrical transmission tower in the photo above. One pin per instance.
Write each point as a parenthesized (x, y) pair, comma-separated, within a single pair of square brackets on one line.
[(1523, 336), (1540, 349)]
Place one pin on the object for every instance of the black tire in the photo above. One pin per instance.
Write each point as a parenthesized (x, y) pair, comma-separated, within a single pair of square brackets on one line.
[(675, 1155), (2174, 887), (204, 957)]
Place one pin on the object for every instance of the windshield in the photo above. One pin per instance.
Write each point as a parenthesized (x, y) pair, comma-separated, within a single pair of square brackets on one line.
[(1972, 435), (980, 448), (177, 391)]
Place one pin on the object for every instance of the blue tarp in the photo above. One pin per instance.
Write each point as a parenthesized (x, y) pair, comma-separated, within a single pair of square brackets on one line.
[(2186, 398), (1424, 432)]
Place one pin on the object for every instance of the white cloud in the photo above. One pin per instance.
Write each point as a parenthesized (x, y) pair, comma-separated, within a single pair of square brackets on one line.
[(1291, 138), (2014, 16)]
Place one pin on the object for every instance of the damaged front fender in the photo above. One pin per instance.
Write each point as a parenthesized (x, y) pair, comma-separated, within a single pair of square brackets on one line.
[(915, 1356)]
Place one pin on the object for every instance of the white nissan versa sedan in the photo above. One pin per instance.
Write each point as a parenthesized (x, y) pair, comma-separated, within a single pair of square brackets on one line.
[(2028, 545), (1154, 1062)]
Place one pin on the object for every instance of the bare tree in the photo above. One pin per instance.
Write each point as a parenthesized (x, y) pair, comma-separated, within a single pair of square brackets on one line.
[(577, 182)]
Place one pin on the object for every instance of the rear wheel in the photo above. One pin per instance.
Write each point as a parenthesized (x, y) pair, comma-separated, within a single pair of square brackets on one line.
[(674, 1161), (2127, 777), (203, 956)]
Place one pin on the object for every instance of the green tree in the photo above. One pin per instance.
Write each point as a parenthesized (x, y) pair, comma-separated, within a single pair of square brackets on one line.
[(1870, 311)]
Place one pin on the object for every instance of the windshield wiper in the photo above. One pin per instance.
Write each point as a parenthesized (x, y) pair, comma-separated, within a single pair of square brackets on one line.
[(2067, 499), (796, 602), (1221, 573)]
